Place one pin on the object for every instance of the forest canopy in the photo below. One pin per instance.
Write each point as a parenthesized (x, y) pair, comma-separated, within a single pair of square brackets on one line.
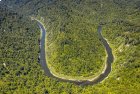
[(73, 46)]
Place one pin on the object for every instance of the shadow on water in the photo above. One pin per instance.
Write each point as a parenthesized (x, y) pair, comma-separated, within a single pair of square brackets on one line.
[(99, 78)]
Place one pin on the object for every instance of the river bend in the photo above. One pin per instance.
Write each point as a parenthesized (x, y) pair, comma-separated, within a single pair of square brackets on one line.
[(92, 81)]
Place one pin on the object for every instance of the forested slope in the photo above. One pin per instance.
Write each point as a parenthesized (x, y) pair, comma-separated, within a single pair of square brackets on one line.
[(72, 47), (20, 72), (121, 28)]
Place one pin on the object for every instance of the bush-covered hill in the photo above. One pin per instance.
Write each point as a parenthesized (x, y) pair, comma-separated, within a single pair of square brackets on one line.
[(70, 24), (73, 46)]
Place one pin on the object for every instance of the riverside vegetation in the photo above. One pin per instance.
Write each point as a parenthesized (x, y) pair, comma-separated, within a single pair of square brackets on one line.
[(71, 41)]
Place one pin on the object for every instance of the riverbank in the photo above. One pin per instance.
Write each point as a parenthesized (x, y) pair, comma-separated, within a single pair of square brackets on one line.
[(85, 81)]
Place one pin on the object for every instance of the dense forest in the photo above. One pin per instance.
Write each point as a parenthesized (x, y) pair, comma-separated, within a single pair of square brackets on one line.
[(72, 45), (72, 41)]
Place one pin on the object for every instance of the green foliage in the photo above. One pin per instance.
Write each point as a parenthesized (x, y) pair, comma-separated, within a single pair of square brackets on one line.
[(20, 71), (73, 46), (71, 27)]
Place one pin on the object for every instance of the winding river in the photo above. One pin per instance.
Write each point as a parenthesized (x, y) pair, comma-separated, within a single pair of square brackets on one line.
[(93, 81)]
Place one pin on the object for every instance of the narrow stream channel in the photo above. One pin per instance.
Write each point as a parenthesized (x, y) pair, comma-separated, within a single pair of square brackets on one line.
[(99, 78)]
